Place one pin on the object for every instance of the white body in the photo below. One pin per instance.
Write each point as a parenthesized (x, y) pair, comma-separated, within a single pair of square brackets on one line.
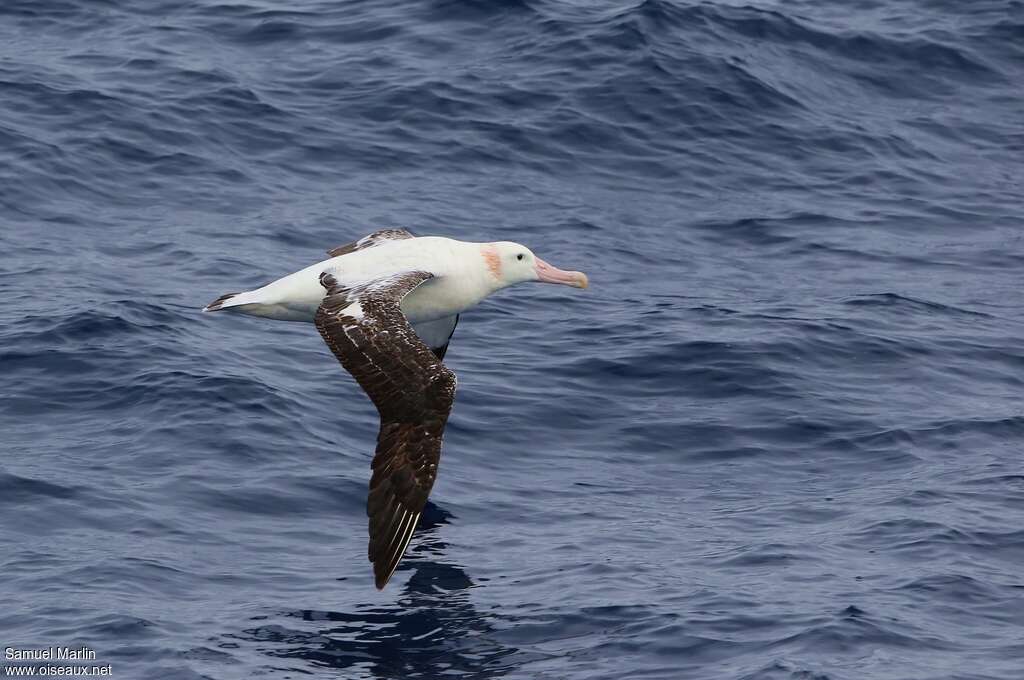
[(460, 280), (464, 274)]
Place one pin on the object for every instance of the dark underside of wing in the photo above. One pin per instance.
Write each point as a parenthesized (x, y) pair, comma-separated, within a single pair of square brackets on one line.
[(412, 390), (439, 352)]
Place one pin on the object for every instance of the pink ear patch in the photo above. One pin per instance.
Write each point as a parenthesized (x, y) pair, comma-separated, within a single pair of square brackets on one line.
[(493, 260)]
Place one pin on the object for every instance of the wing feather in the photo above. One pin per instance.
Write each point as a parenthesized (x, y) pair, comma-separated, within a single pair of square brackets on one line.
[(371, 240), (413, 392)]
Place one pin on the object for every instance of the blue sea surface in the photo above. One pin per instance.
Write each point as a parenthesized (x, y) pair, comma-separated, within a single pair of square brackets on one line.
[(779, 438)]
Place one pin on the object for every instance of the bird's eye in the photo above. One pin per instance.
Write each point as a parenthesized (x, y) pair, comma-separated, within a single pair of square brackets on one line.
[(520, 256)]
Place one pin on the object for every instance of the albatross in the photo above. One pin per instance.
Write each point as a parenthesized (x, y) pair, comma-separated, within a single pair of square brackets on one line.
[(387, 306)]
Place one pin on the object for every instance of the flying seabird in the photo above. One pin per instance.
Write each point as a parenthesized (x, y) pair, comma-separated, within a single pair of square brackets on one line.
[(387, 306)]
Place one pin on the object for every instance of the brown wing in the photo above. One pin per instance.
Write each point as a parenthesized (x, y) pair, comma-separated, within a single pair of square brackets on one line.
[(412, 390), (371, 240)]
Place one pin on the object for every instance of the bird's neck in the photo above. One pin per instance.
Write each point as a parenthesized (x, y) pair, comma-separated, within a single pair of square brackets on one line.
[(480, 272), (464, 280)]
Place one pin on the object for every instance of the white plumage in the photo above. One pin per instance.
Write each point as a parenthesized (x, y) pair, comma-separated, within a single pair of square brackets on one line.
[(462, 279)]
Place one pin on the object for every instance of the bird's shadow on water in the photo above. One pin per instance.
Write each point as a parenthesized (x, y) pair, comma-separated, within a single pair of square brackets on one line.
[(433, 630)]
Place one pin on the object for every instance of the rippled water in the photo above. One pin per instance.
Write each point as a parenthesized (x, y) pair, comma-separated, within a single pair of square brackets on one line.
[(779, 438)]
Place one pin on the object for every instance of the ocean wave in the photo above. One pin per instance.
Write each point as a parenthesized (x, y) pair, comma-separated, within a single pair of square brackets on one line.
[(776, 438)]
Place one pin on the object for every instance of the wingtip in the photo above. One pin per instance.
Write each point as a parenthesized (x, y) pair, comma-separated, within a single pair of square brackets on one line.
[(381, 580)]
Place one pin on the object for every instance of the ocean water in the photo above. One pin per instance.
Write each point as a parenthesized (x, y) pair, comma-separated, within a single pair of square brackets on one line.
[(779, 438)]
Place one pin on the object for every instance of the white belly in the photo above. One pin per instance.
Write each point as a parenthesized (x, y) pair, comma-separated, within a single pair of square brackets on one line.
[(436, 299)]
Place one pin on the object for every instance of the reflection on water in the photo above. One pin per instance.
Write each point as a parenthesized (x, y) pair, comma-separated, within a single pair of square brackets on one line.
[(433, 630)]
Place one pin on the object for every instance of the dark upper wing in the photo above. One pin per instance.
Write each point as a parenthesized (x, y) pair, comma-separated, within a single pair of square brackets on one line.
[(412, 390), (371, 240)]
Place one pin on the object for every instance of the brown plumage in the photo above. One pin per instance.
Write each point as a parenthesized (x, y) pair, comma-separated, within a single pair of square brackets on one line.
[(413, 392), (370, 240)]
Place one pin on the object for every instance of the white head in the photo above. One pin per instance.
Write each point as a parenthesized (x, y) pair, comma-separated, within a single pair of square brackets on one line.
[(510, 263)]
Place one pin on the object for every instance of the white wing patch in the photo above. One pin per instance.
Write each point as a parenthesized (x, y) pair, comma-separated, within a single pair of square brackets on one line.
[(383, 282), (354, 310)]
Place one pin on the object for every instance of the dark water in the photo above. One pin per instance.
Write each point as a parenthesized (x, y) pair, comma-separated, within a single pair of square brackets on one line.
[(779, 438)]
